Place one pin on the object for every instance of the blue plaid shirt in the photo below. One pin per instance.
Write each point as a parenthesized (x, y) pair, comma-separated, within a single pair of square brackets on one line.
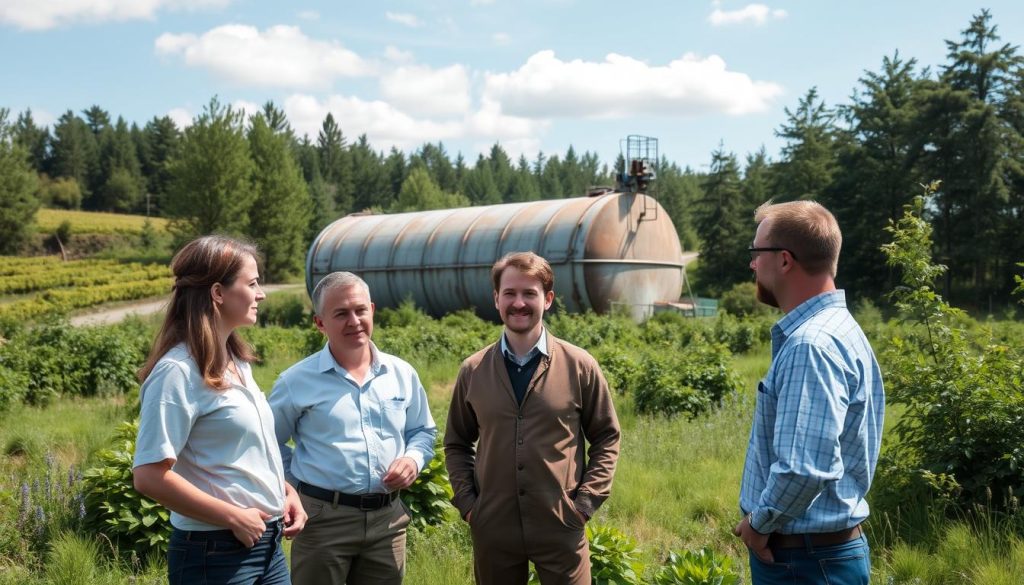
[(817, 425)]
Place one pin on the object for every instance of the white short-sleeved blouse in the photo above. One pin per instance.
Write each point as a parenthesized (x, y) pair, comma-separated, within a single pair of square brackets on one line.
[(222, 441)]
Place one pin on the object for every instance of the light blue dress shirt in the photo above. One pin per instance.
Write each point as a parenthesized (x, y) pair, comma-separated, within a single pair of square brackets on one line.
[(347, 434), (817, 424)]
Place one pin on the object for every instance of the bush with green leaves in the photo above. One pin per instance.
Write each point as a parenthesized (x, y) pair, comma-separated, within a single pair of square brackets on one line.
[(702, 567), (114, 508), (688, 382), (60, 360), (614, 557), (963, 399), (429, 497), (741, 301), (285, 310)]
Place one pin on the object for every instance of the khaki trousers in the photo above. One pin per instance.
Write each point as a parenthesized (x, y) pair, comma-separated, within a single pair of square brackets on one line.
[(342, 544)]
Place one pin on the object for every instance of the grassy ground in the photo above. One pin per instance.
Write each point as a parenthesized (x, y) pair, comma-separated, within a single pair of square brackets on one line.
[(676, 488)]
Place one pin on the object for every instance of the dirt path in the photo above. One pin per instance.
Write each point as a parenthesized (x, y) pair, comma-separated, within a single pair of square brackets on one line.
[(106, 316)]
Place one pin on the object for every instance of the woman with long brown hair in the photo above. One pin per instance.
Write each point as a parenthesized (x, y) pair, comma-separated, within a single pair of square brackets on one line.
[(206, 448)]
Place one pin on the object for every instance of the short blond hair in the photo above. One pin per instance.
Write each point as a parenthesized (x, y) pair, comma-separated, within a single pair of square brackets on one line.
[(806, 229)]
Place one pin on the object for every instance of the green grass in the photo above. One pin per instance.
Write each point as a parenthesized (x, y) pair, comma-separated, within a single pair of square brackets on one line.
[(676, 488)]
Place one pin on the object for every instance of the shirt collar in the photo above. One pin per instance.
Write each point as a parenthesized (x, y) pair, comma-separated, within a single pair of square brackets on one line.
[(785, 326), (541, 346), (327, 362)]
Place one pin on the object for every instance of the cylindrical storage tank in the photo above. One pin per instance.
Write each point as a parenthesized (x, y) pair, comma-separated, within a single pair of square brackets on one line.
[(605, 249)]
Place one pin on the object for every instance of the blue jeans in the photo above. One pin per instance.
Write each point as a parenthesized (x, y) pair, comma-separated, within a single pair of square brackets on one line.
[(215, 557), (842, 564)]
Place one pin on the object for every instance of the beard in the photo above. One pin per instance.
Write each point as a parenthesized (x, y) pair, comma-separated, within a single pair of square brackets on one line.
[(766, 296)]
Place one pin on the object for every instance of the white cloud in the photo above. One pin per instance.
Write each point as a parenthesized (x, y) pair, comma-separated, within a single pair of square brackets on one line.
[(309, 15), (405, 18), (422, 90), (386, 126), (247, 108), (751, 13), (396, 55), (547, 87), (501, 38), (280, 56), (182, 117), (47, 14)]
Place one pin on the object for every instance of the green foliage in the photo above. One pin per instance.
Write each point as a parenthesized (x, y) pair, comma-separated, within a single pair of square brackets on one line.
[(741, 301), (115, 509), (963, 397), (49, 500), (703, 567), (18, 182), (724, 223), (614, 557), (428, 498), (688, 382), (281, 210), (420, 192), (62, 192), (61, 360), (210, 185), (286, 310)]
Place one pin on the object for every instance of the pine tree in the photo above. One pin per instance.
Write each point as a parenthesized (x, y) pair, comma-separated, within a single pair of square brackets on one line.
[(809, 156), (479, 184), (724, 226), (159, 144), (369, 178), (396, 171), (118, 158), (523, 186), (73, 152), (18, 203), (420, 192), (281, 211), (336, 164), (33, 139), (211, 176)]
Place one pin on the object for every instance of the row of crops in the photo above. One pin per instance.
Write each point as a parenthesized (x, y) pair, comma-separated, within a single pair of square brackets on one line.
[(95, 222), (45, 285)]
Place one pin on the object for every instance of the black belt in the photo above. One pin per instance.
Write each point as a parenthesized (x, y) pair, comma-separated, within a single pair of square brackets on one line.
[(814, 538), (364, 502)]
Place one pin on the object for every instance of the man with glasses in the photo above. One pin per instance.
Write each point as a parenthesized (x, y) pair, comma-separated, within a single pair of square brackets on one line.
[(818, 420)]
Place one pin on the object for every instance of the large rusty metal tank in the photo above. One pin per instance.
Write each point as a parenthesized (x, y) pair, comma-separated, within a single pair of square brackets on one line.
[(605, 249)]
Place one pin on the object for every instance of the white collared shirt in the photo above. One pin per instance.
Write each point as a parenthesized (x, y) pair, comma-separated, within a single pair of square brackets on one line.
[(221, 441)]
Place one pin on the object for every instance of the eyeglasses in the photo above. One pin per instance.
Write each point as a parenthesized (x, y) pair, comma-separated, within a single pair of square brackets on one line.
[(755, 251)]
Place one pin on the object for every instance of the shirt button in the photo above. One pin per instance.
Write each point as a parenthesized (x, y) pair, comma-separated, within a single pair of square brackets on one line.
[(520, 441), (520, 417), (519, 467)]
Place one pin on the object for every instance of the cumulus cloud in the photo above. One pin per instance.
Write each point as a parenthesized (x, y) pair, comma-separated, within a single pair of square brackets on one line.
[(280, 56), (405, 18), (386, 126), (47, 14), (757, 14), (396, 55), (182, 117), (426, 91), (546, 87)]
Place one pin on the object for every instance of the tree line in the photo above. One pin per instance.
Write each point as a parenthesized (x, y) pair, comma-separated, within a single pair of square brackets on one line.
[(903, 125)]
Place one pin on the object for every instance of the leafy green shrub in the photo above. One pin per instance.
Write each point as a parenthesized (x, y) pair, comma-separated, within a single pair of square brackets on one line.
[(613, 556), (285, 310), (589, 330), (618, 367), (964, 409), (428, 498), (688, 382), (282, 341), (59, 359), (114, 508), (741, 301), (703, 567), (47, 500), (13, 385)]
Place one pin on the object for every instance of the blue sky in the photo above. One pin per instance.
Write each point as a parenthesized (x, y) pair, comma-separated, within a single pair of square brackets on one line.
[(530, 74)]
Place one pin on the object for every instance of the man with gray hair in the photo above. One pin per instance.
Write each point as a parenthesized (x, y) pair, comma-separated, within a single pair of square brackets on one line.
[(362, 431)]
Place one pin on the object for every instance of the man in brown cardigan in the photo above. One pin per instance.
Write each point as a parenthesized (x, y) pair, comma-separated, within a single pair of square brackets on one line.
[(522, 412)]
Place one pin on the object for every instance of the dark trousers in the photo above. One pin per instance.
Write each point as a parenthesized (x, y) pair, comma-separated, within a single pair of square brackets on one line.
[(214, 557)]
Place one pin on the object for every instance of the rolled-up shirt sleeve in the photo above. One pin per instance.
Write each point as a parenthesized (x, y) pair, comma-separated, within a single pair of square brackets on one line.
[(166, 416)]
